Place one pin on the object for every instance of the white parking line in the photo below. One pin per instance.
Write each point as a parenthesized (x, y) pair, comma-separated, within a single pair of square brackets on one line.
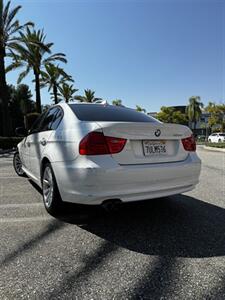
[(10, 177), (28, 194), (28, 219), (17, 205)]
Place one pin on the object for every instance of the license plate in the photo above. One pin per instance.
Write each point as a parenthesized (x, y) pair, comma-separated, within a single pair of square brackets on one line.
[(151, 148)]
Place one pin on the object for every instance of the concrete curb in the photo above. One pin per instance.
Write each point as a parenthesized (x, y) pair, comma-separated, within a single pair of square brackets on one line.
[(214, 149)]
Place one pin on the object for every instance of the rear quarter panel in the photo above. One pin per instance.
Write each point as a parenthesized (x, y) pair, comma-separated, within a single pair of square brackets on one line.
[(63, 143)]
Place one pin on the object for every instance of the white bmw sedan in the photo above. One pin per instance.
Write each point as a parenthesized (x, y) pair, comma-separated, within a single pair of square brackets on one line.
[(92, 153), (218, 137)]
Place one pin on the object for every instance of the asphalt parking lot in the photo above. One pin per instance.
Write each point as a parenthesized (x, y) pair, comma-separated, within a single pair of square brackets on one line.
[(170, 248)]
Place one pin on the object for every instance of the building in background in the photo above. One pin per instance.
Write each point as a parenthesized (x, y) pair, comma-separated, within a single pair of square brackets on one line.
[(152, 114)]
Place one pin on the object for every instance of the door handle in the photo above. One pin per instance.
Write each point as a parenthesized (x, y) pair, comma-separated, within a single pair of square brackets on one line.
[(43, 142)]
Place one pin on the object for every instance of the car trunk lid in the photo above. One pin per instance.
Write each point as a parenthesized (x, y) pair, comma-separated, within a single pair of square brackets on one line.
[(148, 143)]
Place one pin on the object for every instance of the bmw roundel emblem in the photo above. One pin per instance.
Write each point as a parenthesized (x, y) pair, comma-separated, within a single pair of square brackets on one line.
[(157, 132)]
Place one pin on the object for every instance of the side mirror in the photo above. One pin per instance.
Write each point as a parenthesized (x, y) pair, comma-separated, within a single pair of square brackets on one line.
[(21, 131)]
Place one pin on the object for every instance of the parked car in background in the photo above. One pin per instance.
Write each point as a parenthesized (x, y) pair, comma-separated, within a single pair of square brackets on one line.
[(218, 137), (92, 153)]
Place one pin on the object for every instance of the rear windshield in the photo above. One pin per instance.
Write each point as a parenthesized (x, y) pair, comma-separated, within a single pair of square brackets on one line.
[(108, 113)]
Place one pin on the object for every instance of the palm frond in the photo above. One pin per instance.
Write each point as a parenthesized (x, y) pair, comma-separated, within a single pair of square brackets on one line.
[(55, 57), (23, 75), (10, 16), (80, 98), (13, 66), (19, 48), (5, 12), (15, 27)]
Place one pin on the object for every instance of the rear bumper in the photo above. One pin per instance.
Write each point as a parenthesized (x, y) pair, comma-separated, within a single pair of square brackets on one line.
[(93, 184)]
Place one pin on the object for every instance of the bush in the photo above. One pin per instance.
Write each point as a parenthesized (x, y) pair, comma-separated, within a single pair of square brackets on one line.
[(215, 145), (9, 142), (200, 143)]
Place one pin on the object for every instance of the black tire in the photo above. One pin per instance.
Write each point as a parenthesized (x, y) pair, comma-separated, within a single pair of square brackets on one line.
[(17, 164), (219, 141), (53, 204)]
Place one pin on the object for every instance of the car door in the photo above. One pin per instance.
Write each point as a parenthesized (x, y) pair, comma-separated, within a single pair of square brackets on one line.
[(214, 138), (25, 149), (39, 140), (217, 138), (24, 153)]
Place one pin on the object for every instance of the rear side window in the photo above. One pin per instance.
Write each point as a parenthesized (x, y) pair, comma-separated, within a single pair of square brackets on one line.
[(57, 119), (222, 134), (35, 127), (108, 113), (46, 124), (52, 119)]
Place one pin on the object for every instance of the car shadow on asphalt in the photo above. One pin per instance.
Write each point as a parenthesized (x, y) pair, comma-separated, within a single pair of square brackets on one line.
[(176, 226), (179, 226)]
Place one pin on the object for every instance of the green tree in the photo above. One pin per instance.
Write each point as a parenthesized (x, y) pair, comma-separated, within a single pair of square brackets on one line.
[(193, 110), (30, 53), (9, 28), (166, 114), (89, 96), (20, 104), (53, 76), (66, 92), (24, 97), (140, 109), (180, 118), (117, 102), (217, 115), (170, 115)]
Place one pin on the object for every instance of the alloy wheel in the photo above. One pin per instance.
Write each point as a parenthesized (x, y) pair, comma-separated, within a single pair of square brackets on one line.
[(48, 186), (18, 164)]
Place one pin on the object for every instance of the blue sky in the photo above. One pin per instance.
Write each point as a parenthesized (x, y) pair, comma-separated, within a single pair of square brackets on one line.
[(150, 53)]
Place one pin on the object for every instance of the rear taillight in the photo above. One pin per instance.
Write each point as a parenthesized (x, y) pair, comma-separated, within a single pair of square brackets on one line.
[(95, 143), (189, 143)]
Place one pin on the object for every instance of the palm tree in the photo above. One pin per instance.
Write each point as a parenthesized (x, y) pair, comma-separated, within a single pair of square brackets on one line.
[(9, 27), (67, 92), (30, 53), (117, 102), (22, 99), (89, 96), (53, 76), (140, 109), (193, 110)]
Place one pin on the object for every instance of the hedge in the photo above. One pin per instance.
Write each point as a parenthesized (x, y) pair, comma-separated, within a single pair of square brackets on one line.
[(200, 143), (9, 142), (215, 145)]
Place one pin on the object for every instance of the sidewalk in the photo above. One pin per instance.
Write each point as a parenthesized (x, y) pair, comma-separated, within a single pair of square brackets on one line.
[(214, 149)]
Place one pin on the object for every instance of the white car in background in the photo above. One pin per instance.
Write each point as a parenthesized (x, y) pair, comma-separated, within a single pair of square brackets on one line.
[(218, 137), (92, 153)]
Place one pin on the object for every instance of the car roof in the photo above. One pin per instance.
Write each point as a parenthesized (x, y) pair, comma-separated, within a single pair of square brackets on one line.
[(217, 133)]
